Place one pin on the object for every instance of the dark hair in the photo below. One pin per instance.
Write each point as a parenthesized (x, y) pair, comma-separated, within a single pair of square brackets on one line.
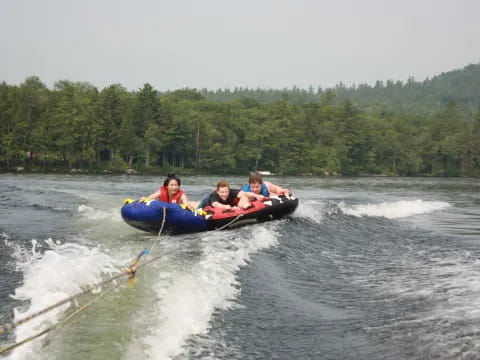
[(255, 177), (171, 177), (223, 183)]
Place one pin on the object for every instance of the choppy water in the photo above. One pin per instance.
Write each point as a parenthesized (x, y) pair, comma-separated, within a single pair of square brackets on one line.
[(370, 268)]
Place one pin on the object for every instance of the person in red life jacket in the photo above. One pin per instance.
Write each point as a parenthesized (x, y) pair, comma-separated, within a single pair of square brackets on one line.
[(259, 187), (227, 198), (171, 192)]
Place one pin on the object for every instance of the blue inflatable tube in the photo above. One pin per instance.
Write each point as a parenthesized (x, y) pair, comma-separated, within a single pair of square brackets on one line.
[(149, 216), (155, 215)]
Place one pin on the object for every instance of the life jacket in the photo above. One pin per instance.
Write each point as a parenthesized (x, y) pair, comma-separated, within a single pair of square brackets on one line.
[(175, 199), (263, 189)]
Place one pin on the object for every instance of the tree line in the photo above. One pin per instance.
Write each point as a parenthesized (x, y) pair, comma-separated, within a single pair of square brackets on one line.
[(426, 97), (74, 125)]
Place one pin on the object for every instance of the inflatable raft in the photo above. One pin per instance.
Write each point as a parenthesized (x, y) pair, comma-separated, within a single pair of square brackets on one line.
[(154, 215)]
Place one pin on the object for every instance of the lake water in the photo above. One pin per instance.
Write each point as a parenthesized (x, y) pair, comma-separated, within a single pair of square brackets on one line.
[(366, 268)]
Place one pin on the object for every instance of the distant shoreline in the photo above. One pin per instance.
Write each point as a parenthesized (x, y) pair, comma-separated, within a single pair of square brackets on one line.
[(188, 172)]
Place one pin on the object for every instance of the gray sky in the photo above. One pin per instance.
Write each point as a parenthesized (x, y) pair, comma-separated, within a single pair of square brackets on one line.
[(221, 43)]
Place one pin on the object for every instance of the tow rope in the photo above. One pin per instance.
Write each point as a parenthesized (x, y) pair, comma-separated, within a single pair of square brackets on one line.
[(229, 223), (68, 318), (129, 271)]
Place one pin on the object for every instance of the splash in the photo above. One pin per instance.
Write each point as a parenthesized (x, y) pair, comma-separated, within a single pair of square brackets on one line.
[(393, 210), (96, 214), (310, 210), (53, 272), (189, 296)]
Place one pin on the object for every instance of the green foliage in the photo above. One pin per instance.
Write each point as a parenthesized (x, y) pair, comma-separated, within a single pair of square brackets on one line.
[(410, 97), (75, 126)]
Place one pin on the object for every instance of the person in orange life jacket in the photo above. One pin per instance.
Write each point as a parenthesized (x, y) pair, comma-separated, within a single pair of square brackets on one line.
[(171, 192), (263, 188), (226, 198)]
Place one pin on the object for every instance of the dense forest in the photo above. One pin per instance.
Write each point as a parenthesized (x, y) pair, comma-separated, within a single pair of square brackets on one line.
[(430, 128), (411, 97)]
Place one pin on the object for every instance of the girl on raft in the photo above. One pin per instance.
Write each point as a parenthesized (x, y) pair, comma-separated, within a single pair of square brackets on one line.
[(170, 192)]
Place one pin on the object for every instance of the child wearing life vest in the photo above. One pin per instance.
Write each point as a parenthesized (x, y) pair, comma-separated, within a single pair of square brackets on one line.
[(170, 192)]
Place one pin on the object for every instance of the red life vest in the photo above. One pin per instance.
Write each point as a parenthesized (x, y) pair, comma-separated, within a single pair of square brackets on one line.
[(175, 199)]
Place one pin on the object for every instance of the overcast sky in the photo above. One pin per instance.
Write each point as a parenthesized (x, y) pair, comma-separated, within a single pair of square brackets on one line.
[(221, 43)]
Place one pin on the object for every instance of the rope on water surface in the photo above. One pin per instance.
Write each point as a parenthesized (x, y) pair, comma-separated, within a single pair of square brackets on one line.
[(129, 271), (84, 307), (68, 318)]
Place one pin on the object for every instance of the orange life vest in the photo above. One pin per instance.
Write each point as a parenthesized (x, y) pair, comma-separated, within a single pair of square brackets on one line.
[(175, 199)]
